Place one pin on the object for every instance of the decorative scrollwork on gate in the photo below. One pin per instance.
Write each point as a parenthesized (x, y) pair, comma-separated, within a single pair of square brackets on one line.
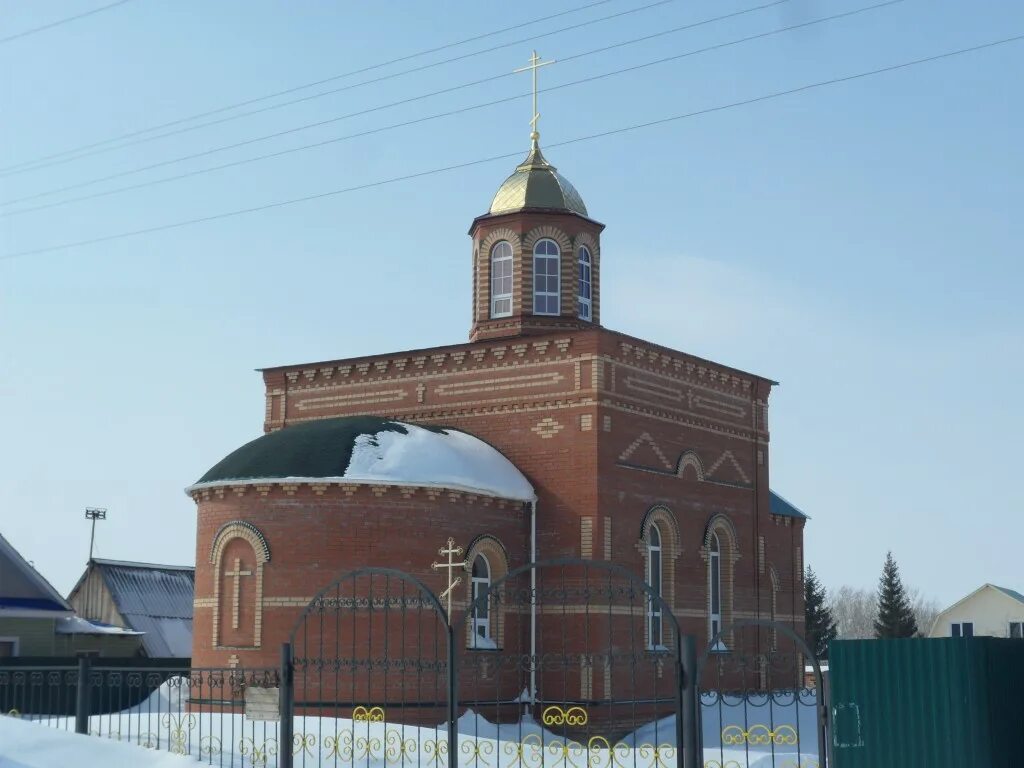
[(528, 753), (555, 715), (179, 729), (303, 743), (605, 755), (339, 746), (436, 750), (477, 751), (258, 754), (760, 735), (368, 715), (566, 753)]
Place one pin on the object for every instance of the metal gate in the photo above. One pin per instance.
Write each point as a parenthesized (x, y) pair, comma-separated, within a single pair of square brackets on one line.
[(564, 663), (367, 675), (762, 699), (568, 663)]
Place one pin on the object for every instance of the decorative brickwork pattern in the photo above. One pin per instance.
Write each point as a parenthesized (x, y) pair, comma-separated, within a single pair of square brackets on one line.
[(587, 538), (228, 533)]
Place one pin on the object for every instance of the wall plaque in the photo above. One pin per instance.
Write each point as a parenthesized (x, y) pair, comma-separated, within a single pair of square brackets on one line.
[(262, 703)]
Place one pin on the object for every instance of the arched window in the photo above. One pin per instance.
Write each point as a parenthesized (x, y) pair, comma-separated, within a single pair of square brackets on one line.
[(585, 283), (654, 580), (481, 580), (546, 283), (714, 585), (501, 279)]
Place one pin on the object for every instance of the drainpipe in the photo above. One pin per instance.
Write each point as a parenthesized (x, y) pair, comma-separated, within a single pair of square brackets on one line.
[(533, 606)]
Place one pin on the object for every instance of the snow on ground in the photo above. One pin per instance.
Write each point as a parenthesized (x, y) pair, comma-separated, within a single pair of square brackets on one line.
[(761, 735), (27, 745)]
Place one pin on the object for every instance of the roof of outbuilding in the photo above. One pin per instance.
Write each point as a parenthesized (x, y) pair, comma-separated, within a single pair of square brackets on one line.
[(154, 599), (22, 587), (373, 450)]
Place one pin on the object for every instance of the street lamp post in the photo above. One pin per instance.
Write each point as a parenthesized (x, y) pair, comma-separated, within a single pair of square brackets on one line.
[(94, 514)]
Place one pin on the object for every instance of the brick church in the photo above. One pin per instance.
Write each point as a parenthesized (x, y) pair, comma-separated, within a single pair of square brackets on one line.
[(545, 435)]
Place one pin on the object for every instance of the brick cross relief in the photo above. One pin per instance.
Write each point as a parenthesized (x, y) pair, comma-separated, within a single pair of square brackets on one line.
[(237, 575)]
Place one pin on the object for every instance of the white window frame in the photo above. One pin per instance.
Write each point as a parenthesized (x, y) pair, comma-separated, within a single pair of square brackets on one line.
[(714, 580), (481, 628), (956, 629), (655, 552), (502, 296), (557, 293), (15, 641), (586, 305), (1020, 630)]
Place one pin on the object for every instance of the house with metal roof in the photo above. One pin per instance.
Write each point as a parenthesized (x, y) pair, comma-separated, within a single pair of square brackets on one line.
[(36, 621), (989, 611), (155, 600)]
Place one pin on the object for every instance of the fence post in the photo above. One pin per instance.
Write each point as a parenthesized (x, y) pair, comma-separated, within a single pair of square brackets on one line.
[(688, 729), (83, 700), (286, 707), (453, 703)]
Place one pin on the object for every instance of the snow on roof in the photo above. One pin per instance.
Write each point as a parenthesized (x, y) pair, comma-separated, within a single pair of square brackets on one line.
[(76, 625), (372, 450)]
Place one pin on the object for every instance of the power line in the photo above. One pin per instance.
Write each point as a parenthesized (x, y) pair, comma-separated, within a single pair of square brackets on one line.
[(59, 22), (100, 146), (293, 89), (507, 155), (320, 123)]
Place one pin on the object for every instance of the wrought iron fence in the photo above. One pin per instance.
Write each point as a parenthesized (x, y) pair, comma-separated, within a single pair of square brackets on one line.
[(186, 711), (755, 706), (563, 664)]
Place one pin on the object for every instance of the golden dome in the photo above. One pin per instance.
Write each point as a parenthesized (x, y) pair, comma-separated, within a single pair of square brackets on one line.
[(537, 184)]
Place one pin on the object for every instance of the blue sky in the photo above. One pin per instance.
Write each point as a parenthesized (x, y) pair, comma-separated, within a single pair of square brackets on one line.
[(858, 243)]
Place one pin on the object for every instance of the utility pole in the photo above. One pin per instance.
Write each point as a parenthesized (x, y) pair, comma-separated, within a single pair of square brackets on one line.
[(94, 514)]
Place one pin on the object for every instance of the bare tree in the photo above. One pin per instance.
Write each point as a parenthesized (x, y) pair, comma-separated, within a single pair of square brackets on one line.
[(925, 610), (855, 611)]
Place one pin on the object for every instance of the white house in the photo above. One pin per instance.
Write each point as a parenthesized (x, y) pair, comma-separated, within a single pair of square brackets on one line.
[(989, 610)]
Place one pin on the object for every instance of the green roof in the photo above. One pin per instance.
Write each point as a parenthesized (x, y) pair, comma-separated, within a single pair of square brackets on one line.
[(779, 506), (321, 448), (373, 450)]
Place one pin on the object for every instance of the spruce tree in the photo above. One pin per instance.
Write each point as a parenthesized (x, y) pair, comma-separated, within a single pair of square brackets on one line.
[(895, 614), (820, 626)]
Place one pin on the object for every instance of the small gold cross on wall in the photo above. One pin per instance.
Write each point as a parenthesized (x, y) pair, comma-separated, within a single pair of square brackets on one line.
[(451, 552)]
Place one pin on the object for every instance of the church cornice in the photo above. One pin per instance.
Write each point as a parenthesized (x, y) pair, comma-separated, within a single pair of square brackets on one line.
[(345, 488), (495, 218)]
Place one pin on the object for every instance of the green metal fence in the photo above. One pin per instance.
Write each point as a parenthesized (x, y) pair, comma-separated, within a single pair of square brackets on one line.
[(933, 703)]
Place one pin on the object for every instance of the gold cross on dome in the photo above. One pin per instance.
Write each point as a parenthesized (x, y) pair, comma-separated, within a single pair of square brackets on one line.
[(534, 65), (451, 552)]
